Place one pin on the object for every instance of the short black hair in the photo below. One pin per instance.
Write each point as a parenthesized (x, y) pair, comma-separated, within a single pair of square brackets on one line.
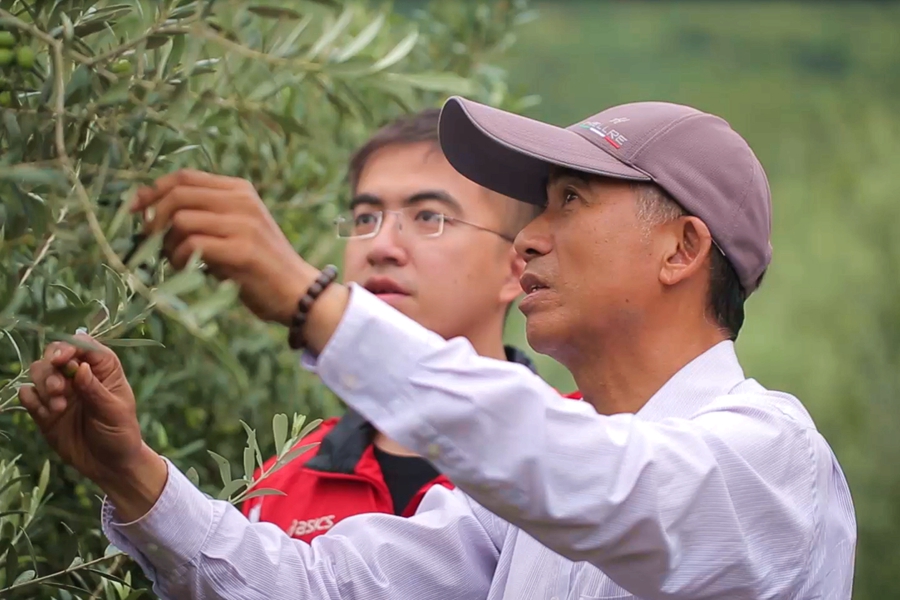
[(408, 129), (726, 294)]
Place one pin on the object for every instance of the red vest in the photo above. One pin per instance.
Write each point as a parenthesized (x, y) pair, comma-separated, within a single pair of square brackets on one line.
[(337, 479)]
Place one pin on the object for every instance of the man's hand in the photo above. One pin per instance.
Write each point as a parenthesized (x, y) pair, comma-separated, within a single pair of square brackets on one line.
[(85, 408), (224, 220)]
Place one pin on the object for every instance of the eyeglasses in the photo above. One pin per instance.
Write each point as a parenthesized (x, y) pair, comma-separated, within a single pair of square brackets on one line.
[(364, 224)]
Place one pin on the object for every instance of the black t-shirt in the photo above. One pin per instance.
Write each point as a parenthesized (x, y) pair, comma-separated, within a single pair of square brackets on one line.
[(404, 476)]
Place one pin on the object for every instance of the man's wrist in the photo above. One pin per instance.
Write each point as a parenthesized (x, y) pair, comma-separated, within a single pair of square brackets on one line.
[(325, 316), (134, 490), (326, 311)]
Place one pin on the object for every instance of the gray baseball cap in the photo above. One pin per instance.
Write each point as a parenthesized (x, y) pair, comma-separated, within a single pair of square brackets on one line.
[(707, 167)]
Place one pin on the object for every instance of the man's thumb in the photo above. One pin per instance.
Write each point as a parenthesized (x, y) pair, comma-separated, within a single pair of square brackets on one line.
[(91, 389)]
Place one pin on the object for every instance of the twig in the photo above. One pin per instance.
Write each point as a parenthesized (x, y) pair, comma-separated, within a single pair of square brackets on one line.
[(66, 571), (213, 36), (42, 252), (112, 570), (158, 29), (60, 104)]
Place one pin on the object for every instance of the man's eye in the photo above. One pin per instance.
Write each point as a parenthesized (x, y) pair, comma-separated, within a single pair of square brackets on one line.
[(428, 216), (364, 218), (569, 195)]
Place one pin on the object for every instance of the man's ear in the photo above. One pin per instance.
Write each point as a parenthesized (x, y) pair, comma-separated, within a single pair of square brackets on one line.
[(511, 288), (688, 245)]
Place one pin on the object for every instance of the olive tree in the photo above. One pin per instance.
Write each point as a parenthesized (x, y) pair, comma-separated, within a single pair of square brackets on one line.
[(99, 97)]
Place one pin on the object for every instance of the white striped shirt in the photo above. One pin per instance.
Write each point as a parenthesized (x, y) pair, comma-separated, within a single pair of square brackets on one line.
[(716, 488)]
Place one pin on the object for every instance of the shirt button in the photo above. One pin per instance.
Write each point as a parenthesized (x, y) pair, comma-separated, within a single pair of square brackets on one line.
[(349, 381), (433, 451)]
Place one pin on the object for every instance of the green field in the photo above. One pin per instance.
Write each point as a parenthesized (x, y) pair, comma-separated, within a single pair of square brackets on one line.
[(814, 88)]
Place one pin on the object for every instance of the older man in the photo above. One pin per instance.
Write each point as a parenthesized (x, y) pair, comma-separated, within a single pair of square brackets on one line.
[(678, 477)]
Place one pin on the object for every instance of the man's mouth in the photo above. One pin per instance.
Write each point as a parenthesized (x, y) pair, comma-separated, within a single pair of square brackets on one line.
[(383, 286), (532, 283)]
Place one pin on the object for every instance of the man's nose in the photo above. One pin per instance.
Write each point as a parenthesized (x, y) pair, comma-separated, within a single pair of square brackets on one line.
[(389, 246), (534, 239)]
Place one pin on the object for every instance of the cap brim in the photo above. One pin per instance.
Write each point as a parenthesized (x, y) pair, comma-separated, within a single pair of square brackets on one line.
[(512, 155)]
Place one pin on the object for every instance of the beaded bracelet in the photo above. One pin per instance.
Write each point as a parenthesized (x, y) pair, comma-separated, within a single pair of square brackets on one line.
[(298, 321)]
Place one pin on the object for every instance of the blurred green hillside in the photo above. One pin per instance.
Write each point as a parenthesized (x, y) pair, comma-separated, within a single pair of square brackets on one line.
[(814, 88)]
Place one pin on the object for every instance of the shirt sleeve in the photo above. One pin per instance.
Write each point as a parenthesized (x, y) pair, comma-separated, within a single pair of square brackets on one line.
[(196, 548), (722, 504)]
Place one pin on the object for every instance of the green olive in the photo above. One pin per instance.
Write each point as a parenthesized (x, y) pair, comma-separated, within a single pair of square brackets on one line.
[(6, 56), (69, 370), (121, 67), (25, 57), (5, 99), (7, 39)]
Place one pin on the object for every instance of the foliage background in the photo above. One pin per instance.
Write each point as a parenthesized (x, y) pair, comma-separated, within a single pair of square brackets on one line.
[(280, 96), (812, 85)]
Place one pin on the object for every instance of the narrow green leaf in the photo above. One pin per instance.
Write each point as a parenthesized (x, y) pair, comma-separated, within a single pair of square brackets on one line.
[(309, 428), (80, 80), (193, 476), (287, 458), (263, 492), (12, 127), (297, 425), (12, 482), (397, 53), (113, 302), (231, 488), (184, 282), (220, 300), (224, 467), (287, 44), (69, 293), (116, 94), (65, 586), (44, 478), (363, 39), (280, 431), (108, 576), (24, 576), (76, 562), (69, 317), (132, 343), (252, 443), (331, 34), (249, 463), (34, 176), (149, 248), (12, 563), (274, 12)]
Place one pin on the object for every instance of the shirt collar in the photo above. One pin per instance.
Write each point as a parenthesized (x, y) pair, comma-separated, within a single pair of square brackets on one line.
[(714, 373)]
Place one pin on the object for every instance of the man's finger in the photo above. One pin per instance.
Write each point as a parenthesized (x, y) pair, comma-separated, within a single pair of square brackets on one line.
[(195, 198), (148, 196), (42, 372), (68, 358), (186, 223), (29, 399), (222, 255)]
